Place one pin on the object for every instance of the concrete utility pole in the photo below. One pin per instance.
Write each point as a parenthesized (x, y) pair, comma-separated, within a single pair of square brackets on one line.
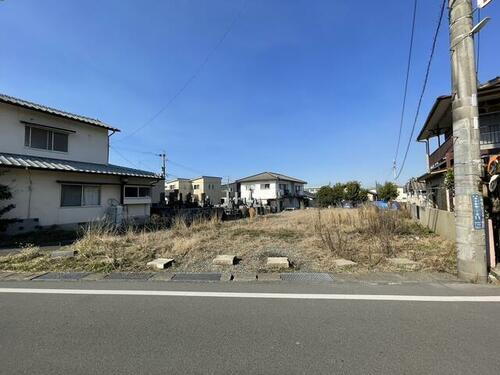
[(163, 157), (470, 231)]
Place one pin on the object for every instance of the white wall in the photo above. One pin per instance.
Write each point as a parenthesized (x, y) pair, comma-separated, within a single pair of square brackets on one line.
[(258, 192), (402, 196), (45, 200), (88, 144), (273, 192)]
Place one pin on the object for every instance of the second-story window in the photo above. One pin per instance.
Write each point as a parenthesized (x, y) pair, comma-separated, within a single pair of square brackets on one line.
[(44, 139)]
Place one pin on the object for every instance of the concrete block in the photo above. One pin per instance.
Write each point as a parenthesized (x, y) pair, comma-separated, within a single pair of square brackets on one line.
[(278, 262), (269, 277), (344, 263), (244, 276), (404, 263), (160, 263), (63, 253), (224, 260)]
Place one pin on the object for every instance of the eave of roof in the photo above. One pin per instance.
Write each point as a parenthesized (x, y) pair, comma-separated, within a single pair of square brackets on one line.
[(55, 112), (439, 118), (36, 162), (270, 176), (200, 177), (430, 174)]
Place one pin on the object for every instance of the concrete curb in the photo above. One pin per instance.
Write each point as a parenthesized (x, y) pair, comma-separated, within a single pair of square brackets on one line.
[(234, 277), (168, 276)]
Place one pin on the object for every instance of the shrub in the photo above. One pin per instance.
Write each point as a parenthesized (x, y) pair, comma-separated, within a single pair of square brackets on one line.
[(387, 191), (5, 195)]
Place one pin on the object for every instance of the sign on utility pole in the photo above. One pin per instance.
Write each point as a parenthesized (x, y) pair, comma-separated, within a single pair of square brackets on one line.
[(469, 214), (482, 3)]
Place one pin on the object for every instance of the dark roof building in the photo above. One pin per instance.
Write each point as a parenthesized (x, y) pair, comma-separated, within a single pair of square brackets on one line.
[(266, 176)]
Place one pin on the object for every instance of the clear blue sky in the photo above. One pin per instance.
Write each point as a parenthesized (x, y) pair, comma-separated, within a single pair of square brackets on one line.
[(312, 89)]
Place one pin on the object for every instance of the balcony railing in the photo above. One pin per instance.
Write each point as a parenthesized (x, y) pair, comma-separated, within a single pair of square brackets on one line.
[(490, 135), (440, 154), (489, 138)]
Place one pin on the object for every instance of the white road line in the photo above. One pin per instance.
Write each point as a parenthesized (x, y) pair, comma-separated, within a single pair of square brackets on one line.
[(165, 293)]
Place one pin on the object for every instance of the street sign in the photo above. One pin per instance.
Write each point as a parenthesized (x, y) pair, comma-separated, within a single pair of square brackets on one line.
[(477, 211), (482, 3)]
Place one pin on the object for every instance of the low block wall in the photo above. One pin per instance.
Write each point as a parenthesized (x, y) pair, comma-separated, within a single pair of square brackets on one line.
[(439, 221)]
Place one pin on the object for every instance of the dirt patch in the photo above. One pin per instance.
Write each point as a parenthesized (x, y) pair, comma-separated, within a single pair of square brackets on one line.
[(312, 239)]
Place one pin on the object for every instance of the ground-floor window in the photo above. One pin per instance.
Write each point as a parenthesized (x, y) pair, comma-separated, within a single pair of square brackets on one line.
[(137, 191), (80, 195)]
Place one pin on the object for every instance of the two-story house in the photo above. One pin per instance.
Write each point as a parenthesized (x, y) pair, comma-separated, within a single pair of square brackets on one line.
[(439, 128), (56, 165), (272, 189), (202, 189)]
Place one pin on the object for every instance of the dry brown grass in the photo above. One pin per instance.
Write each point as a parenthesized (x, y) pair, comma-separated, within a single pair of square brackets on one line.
[(311, 239)]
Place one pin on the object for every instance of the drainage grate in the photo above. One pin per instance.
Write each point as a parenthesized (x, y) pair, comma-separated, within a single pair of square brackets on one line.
[(302, 276), (62, 276), (129, 276), (207, 276)]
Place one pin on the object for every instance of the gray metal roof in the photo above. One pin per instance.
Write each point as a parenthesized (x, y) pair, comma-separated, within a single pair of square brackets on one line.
[(35, 162), (41, 108), (270, 176)]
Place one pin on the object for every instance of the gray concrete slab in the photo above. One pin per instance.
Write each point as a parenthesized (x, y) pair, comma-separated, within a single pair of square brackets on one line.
[(129, 276), (271, 276), (55, 276), (23, 275), (244, 276), (306, 277), (162, 276), (96, 276), (200, 276)]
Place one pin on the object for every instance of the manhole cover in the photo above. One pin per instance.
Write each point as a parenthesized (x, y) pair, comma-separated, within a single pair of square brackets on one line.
[(129, 276), (197, 277), (301, 276), (62, 276)]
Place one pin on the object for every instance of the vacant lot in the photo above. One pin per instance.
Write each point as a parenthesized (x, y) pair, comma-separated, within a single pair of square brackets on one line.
[(312, 239)]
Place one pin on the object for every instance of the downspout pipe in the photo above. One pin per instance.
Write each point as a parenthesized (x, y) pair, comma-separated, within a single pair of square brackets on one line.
[(109, 136)]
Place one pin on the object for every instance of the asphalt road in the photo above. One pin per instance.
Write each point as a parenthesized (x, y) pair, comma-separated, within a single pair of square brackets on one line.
[(135, 334)]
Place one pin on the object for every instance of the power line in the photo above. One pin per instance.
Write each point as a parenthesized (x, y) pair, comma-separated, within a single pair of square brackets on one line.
[(155, 154), (478, 42), (124, 158), (136, 151), (193, 76), (185, 167), (405, 91), (424, 86)]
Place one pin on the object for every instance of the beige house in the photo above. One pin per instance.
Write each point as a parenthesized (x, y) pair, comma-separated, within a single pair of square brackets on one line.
[(56, 165), (182, 186), (200, 188)]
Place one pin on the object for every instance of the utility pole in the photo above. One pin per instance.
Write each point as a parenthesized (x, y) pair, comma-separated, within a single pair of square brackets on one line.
[(469, 214), (163, 157)]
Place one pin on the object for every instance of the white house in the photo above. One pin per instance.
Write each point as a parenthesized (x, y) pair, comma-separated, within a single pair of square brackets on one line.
[(273, 189), (56, 165)]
